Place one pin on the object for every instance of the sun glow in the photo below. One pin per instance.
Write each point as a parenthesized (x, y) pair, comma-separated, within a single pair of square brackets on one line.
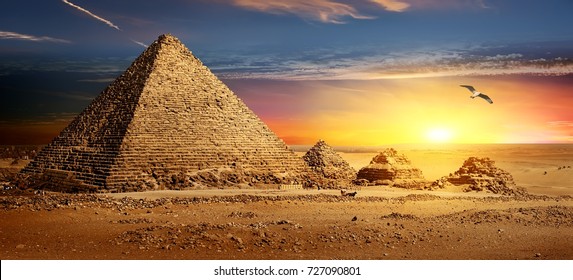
[(439, 135)]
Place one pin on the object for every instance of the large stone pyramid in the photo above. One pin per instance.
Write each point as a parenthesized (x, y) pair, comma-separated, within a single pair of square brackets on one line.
[(327, 164), (166, 122)]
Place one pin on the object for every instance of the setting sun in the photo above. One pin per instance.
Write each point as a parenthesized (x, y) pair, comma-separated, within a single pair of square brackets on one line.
[(439, 135)]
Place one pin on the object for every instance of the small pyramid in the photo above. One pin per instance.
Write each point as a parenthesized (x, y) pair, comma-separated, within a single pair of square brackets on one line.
[(166, 122), (391, 168), (480, 174), (326, 163)]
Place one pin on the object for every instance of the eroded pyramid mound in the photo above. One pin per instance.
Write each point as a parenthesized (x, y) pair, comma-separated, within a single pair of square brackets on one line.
[(391, 168), (166, 122), (480, 174), (327, 164)]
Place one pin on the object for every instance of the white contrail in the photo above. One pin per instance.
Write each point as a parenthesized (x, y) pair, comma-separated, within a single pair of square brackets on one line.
[(92, 15), (139, 43), (18, 36), (109, 23)]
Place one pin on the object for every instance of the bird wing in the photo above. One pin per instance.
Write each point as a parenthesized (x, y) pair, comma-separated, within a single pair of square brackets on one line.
[(486, 98), (472, 89)]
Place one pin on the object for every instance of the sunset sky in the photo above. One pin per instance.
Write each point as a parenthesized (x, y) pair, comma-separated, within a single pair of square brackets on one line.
[(364, 72)]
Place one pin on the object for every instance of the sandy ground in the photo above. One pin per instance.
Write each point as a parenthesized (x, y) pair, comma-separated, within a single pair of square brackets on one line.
[(264, 224), (379, 223), (536, 169)]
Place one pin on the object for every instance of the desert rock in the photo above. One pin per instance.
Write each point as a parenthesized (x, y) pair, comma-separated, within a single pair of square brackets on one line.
[(481, 174), (328, 165), (391, 168)]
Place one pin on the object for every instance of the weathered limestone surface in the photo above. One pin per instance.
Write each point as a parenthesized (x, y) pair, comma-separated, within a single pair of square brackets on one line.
[(391, 168), (480, 174), (332, 169), (168, 122)]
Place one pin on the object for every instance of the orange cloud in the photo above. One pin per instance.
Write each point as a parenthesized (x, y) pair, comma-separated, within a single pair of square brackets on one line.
[(322, 10), (392, 5), (333, 11), (434, 4)]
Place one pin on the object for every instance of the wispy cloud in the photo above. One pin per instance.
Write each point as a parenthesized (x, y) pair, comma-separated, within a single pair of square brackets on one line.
[(102, 67), (563, 130), (109, 23), (436, 64), (139, 43), (102, 80), (561, 124), (401, 5), (335, 11), (392, 5), (327, 11), (49, 118), (365, 64), (75, 96), (17, 36)]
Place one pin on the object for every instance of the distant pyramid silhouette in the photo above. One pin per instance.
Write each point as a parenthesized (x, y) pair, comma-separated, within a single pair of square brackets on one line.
[(166, 122)]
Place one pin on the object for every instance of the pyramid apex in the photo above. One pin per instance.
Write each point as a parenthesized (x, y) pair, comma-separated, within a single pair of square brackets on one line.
[(321, 145), (168, 39), (166, 36)]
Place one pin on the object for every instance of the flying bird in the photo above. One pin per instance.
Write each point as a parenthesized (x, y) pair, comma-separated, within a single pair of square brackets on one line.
[(477, 94)]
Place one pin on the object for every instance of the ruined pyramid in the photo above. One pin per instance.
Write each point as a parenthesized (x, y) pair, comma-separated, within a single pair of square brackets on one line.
[(480, 174), (327, 164), (391, 168), (166, 122)]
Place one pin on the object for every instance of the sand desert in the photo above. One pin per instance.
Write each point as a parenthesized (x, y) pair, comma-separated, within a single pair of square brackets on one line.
[(168, 163), (266, 223)]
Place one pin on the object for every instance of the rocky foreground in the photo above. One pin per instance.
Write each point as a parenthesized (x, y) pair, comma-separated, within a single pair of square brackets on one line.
[(285, 226)]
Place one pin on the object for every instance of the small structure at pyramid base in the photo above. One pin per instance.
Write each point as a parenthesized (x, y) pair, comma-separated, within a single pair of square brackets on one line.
[(480, 175), (331, 170), (166, 123), (391, 169)]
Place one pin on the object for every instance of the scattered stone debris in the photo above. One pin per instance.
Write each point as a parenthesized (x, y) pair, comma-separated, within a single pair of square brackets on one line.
[(552, 216), (270, 235), (219, 237), (238, 214), (133, 221), (398, 216), (17, 199)]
